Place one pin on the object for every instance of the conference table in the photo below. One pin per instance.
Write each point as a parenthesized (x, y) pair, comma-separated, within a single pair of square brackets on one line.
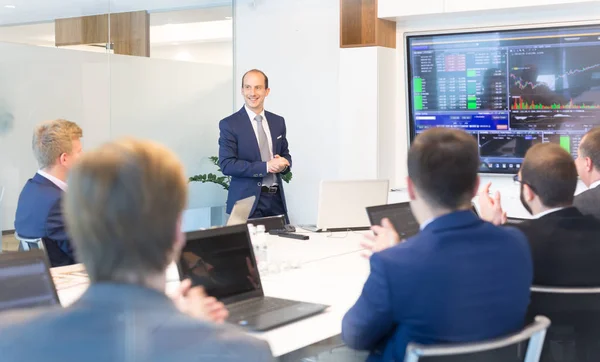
[(328, 269)]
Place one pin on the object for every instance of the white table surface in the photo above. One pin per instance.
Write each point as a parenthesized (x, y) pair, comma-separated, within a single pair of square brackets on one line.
[(331, 271)]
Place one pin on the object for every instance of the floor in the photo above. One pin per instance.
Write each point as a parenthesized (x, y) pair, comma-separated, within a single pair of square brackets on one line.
[(9, 243)]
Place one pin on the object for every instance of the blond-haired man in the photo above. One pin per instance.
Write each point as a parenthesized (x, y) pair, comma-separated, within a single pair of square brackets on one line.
[(56, 145), (124, 212)]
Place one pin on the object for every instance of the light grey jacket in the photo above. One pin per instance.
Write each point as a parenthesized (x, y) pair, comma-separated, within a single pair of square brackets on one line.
[(121, 323)]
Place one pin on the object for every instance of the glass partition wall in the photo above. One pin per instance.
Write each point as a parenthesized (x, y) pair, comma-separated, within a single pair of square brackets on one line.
[(160, 70)]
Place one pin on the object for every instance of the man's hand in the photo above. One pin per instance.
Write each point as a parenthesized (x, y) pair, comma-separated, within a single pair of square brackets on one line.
[(490, 209), (195, 303), (385, 236), (277, 164)]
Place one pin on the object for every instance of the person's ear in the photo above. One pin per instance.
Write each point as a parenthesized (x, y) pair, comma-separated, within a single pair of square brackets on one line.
[(410, 187)]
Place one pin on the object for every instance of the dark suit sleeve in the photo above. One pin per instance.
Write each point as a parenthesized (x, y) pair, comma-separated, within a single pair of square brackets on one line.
[(285, 152), (370, 319), (55, 226), (229, 162)]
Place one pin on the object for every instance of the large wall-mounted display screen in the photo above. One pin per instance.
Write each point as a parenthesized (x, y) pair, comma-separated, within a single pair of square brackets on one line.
[(509, 89)]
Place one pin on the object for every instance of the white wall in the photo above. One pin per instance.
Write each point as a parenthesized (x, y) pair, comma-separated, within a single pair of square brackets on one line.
[(392, 9), (217, 53), (296, 42)]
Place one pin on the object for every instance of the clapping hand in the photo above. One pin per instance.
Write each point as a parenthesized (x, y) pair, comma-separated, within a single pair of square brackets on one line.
[(383, 237)]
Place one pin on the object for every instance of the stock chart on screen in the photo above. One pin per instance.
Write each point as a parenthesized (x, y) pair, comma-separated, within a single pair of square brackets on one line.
[(510, 89)]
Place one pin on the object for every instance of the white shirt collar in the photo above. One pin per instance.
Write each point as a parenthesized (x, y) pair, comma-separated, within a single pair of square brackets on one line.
[(60, 183), (427, 222), (594, 185), (541, 214), (252, 115)]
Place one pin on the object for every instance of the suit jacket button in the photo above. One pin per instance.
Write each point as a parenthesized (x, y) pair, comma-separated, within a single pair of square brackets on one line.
[(258, 184), (255, 175), (261, 175)]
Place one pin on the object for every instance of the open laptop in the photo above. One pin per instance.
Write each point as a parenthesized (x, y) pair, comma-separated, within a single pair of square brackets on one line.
[(342, 204), (241, 211), (25, 281), (399, 214), (222, 261)]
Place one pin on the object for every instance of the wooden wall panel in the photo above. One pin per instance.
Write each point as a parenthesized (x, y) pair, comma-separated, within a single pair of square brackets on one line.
[(129, 32), (359, 25)]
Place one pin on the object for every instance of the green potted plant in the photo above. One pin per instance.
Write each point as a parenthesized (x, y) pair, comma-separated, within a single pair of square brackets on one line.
[(223, 180)]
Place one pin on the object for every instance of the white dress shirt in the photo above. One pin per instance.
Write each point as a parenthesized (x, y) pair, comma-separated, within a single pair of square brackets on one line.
[(60, 183), (265, 125), (547, 212), (594, 185)]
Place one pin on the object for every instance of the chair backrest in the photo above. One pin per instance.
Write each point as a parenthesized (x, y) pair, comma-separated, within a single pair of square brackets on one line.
[(575, 315), (28, 244), (486, 351)]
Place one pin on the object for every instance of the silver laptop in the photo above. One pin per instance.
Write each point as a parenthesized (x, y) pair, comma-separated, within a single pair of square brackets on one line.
[(25, 281), (222, 261), (342, 204), (241, 211)]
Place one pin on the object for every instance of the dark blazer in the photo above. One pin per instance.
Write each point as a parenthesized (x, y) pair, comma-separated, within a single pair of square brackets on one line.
[(588, 202), (39, 215), (122, 323), (565, 246), (239, 155), (459, 280)]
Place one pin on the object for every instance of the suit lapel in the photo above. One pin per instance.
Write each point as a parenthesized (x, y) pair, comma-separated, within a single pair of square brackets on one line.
[(247, 130), (271, 123)]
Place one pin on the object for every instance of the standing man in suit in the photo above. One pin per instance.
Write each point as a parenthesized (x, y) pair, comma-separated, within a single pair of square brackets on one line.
[(253, 150), (564, 242), (460, 279), (588, 168), (124, 212), (56, 146)]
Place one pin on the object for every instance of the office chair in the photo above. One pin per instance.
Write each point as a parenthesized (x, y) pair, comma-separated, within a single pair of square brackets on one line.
[(28, 244), (504, 349), (575, 314)]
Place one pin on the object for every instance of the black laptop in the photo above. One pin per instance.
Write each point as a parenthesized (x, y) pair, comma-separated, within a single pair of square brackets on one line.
[(25, 281), (399, 214), (222, 261)]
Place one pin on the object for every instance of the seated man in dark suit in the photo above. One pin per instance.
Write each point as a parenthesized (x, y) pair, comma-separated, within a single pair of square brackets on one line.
[(56, 146), (564, 243), (459, 280), (124, 214), (588, 168)]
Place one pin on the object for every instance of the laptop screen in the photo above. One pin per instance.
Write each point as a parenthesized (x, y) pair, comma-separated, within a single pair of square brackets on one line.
[(399, 214), (221, 260), (25, 281)]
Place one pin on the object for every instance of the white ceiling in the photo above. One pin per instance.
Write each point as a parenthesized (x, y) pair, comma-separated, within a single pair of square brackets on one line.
[(32, 11), (166, 28)]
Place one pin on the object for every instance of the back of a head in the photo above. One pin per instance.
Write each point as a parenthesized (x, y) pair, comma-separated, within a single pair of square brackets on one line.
[(590, 147), (550, 171), (443, 165), (122, 209), (53, 138)]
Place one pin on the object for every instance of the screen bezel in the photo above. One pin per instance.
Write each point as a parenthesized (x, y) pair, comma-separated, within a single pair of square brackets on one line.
[(220, 231), (410, 126)]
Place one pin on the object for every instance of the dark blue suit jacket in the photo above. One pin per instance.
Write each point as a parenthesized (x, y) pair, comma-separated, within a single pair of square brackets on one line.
[(459, 280), (239, 155), (39, 215)]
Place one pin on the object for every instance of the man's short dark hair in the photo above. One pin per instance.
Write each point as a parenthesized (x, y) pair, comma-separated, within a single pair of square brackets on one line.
[(551, 173), (256, 71), (590, 146), (443, 165)]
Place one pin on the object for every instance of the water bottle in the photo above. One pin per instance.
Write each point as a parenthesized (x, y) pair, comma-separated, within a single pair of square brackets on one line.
[(261, 249)]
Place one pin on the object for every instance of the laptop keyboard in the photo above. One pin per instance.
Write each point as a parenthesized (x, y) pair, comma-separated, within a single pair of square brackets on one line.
[(259, 306)]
